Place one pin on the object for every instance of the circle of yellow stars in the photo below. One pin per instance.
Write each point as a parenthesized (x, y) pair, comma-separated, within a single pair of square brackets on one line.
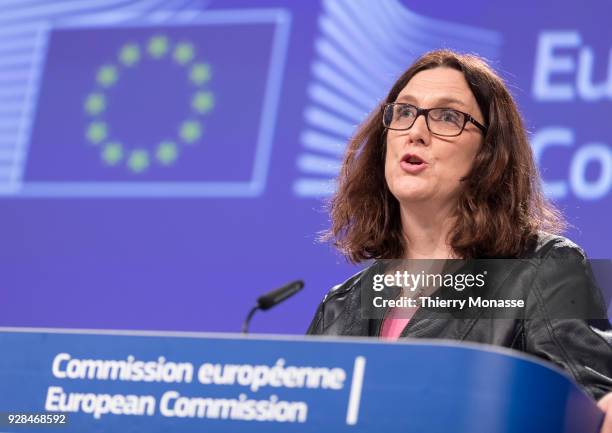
[(113, 152)]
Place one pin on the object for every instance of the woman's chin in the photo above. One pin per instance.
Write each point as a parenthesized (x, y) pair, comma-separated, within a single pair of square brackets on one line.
[(408, 196)]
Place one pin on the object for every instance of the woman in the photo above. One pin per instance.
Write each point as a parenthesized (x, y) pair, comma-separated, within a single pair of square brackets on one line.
[(443, 170)]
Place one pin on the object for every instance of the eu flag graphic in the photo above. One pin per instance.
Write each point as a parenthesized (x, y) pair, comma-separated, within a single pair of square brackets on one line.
[(179, 109)]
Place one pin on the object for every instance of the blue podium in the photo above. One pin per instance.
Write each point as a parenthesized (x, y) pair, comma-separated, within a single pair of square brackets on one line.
[(113, 381)]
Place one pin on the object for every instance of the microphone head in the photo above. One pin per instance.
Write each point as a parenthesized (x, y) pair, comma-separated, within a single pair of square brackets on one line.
[(277, 296)]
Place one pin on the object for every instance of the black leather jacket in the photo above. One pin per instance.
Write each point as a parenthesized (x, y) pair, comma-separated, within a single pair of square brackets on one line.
[(580, 346)]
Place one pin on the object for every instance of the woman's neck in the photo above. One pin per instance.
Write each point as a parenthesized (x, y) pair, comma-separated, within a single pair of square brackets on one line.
[(426, 227)]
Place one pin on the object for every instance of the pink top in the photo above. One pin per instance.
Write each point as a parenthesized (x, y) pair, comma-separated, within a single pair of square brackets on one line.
[(395, 322)]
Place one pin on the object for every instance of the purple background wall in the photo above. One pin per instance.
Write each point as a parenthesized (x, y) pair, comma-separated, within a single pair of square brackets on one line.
[(96, 235)]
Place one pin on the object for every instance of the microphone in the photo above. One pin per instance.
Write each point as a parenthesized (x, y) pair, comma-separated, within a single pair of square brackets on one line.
[(270, 299)]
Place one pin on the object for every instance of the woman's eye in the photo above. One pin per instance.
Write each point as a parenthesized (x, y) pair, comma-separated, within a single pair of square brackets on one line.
[(450, 116), (405, 112)]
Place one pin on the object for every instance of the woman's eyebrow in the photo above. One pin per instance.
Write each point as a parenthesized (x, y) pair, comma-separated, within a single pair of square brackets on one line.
[(406, 98), (440, 102), (450, 100)]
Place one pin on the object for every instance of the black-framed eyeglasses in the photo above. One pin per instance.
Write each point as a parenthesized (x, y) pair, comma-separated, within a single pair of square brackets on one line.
[(446, 122)]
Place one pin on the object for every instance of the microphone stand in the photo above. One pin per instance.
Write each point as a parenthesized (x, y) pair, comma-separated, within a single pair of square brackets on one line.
[(245, 324), (271, 299)]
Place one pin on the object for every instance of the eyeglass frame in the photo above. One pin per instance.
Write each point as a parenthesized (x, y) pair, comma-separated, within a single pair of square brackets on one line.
[(425, 112)]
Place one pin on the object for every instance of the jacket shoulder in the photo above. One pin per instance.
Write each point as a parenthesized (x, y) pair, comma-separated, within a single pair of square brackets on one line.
[(547, 245), (334, 305), (347, 284)]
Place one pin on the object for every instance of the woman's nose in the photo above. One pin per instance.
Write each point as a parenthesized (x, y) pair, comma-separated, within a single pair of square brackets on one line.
[(419, 132)]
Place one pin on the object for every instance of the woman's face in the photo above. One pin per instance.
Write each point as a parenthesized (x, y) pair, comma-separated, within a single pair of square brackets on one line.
[(445, 160)]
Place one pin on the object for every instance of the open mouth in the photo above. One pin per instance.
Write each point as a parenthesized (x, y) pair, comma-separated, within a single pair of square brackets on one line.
[(412, 159)]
